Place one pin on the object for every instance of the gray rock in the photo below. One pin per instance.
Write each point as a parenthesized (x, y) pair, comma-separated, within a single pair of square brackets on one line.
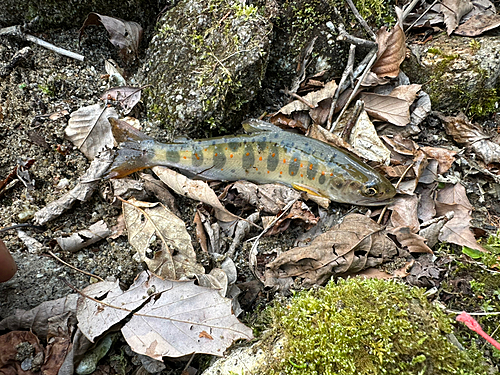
[(458, 73), (206, 61)]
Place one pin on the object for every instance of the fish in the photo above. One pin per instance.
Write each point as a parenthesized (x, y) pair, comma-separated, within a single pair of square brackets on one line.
[(265, 154)]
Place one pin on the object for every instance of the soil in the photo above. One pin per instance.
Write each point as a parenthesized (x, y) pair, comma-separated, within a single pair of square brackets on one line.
[(48, 83)]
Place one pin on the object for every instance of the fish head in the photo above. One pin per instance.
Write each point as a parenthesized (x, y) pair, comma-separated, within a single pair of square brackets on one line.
[(376, 190)]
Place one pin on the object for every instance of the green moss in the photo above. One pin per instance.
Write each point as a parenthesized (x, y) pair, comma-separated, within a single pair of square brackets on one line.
[(363, 326)]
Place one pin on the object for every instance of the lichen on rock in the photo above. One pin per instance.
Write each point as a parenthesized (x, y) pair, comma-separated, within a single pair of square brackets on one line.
[(206, 61)]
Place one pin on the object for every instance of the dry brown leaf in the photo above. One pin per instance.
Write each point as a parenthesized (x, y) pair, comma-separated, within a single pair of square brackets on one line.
[(194, 189), (387, 108), (167, 316), (320, 133), (313, 98), (299, 211), (10, 344), (404, 213), (391, 51), (355, 244), (161, 239), (426, 207), (406, 92), (96, 232), (89, 129), (409, 239), (457, 230), (125, 35), (444, 157), (453, 11), (375, 273), (478, 24)]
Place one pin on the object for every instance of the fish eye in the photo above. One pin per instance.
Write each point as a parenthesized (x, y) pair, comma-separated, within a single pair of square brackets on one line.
[(369, 191)]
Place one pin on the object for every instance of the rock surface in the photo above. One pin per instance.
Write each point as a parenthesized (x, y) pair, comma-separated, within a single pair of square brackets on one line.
[(205, 63)]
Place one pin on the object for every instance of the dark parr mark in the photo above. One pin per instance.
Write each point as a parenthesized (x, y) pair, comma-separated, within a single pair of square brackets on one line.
[(273, 158), (312, 169), (234, 146), (248, 158), (197, 157), (294, 165), (173, 156), (219, 158), (322, 179)]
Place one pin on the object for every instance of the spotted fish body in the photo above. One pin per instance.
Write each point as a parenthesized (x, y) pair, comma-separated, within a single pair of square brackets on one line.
[(266, 155)]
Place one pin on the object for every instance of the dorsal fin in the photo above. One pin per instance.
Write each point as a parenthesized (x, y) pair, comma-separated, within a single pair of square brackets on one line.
[(255, 126)]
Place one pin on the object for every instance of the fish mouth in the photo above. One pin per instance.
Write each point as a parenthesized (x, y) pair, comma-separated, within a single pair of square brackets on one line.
[(371, 202)]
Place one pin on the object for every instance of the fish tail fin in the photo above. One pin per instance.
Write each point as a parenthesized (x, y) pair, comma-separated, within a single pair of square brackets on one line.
[(135, 150)]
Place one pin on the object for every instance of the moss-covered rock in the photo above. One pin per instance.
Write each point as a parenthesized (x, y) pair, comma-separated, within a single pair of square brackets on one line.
[(372, 326), (206, 61), (458, 73)]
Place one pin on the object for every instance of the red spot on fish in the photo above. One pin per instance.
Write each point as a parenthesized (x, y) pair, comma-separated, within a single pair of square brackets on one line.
[(301, 175), (311, 167), (291, 173), (301, 165), (248, 153), (331, 174), (295, 159), (273, 154), (260, 158), (284, 161), (215, 154), (185, 157), (323, 173), (281, 172), (231, 155), (267, 171)]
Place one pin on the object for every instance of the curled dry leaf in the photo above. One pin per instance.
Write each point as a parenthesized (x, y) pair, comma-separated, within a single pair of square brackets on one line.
[(391, 51), (355, 244), (161, 239), (89, 129), (81, 192), (478, 24), (387, 108), (406, 92), (167, 317), (96, 232), (127, 96), (299, 211), (453, 11), (194, 189), (409, 239), (125, 35)]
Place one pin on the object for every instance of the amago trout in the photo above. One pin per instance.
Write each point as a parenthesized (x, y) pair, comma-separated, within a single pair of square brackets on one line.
[(266, 154)]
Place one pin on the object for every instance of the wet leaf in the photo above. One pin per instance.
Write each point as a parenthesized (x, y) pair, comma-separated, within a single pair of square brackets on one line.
[(167, 317), (89, 129), (161, 239), (355, 244), (127, 96), (453, 11), (194, 189), (10, 344), (125, 35), (391, 51), (478, 24), (96, 232), (387, 108)]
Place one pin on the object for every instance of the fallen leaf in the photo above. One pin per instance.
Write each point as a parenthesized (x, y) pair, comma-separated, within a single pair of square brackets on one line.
[(313, 98), (409, 239), (406, 92), (96, 232), (298, 212), (125, 35), (404, 213), (391, 50), (355, 244), (444, 157), (160, 191), (10, 343), (387, 108), (375, 273), (167, 317), (478, 24), (81, 192), (194, 189), (89, 129), (161, 239), (422, 109), (426, 271), (127, 96), (457, 230), (126, 188), (453, 11)]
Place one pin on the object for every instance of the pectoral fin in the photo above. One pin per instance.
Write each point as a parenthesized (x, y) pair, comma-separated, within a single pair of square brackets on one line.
[(308, 189)]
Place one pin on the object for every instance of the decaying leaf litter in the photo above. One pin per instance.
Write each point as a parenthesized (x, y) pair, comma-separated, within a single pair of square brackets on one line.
[(420, 207)]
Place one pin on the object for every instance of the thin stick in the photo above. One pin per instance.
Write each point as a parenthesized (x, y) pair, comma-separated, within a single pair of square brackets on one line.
[(73, 267), (348, 72), (361, 20), (419, 18), (355, 91), (16, 31), (345, 36), (409, 8)]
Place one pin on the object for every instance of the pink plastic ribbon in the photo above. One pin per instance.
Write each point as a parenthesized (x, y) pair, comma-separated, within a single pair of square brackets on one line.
[(471, 323)]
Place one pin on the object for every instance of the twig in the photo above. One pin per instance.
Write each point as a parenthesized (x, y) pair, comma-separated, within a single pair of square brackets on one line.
[(17, 32), (419, 18), (358, 108), (361, 20), (355, 91), (73, 267), (345, 36), (301, 99), (348, 72), (407, 9)]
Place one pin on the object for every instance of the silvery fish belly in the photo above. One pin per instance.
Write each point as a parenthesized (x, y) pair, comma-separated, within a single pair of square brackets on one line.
[(266, 155)]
